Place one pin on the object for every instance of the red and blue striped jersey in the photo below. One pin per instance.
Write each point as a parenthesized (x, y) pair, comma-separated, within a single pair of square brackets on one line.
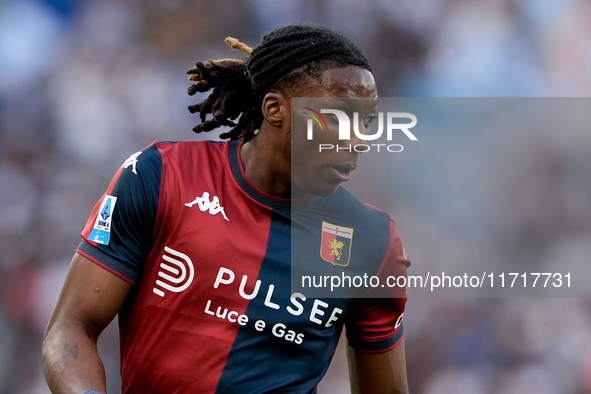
[(211, 309)]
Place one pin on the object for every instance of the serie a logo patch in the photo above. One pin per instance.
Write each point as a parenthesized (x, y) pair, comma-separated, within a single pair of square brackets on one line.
[(101, 231), (335, 246)]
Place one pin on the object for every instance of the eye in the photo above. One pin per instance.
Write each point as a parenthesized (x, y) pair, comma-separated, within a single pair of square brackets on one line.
[(331, 117), (368, 119)]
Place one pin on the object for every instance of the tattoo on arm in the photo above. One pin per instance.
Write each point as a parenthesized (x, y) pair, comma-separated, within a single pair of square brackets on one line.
[(73, 351), (55, 372)]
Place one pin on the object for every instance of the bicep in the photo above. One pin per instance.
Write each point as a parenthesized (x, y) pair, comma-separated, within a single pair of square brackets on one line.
[(378, 373), (91, 296)]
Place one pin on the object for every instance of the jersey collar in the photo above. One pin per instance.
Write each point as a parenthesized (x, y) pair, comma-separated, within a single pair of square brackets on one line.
[(256, 194)]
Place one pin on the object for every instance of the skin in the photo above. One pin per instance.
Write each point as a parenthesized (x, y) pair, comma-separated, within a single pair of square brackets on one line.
[(89, 300), (92, 296), (381, 373)]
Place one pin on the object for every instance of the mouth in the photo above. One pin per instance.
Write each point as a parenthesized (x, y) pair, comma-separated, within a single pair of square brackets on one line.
[(343, 171)]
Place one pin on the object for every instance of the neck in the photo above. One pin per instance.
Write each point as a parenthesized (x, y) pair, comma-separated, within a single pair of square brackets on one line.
[(267, 164)]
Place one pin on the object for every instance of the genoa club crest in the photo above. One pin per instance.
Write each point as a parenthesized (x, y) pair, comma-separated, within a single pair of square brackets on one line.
[(335, 246)]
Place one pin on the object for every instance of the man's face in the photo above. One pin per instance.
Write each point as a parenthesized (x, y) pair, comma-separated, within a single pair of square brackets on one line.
[(321, 172)]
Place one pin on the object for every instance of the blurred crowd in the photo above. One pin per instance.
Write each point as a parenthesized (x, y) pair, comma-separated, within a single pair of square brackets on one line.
[(83, 84)]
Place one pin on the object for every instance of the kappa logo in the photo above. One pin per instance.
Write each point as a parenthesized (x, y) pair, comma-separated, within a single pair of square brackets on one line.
[(132, 161), (182, 271), (205, 204), (335, 246)]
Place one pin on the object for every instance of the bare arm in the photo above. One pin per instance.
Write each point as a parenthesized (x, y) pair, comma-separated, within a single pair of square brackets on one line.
[(90, 299), (381, 373)]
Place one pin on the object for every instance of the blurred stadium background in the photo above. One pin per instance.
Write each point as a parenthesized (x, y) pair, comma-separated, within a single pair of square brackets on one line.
[(83, 84)]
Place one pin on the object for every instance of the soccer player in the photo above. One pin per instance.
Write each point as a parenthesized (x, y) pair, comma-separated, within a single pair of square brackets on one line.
[(190, 244)]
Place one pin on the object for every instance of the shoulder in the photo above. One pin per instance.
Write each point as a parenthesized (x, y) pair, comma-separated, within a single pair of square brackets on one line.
[(143, 159), (191, 161), (185, 149)]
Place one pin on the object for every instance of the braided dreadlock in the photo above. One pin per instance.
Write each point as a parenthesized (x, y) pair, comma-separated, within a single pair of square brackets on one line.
[(287, 58)]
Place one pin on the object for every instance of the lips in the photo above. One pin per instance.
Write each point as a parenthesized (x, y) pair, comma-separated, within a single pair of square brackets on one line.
[(343, 171)]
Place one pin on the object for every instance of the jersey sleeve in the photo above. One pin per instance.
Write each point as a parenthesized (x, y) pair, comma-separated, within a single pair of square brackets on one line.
[(120, 230), (375, 324)]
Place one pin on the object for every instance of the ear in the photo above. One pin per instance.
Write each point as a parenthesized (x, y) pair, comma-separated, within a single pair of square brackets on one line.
[(275, 108)]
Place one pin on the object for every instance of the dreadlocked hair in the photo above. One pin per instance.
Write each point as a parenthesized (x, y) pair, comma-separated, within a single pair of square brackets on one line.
[(287, 59)]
